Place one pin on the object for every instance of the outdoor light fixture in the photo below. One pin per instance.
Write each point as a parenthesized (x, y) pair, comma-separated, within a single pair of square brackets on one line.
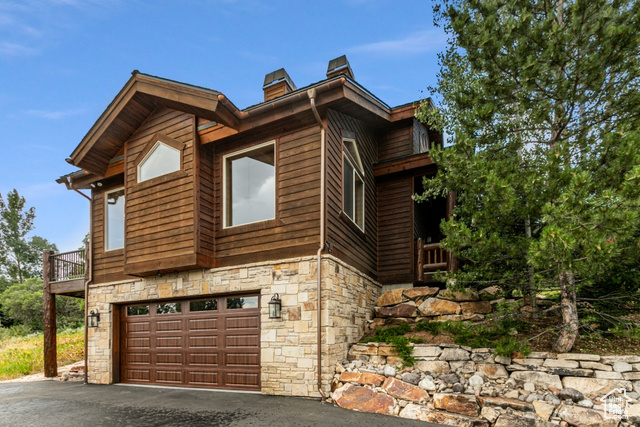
[(93, 318), (275, 307)]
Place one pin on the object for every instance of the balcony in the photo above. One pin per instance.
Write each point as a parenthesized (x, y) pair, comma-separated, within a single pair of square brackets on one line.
[(67, 272)]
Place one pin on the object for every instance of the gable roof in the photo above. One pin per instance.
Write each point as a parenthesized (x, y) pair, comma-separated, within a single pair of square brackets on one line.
[(143, 93)]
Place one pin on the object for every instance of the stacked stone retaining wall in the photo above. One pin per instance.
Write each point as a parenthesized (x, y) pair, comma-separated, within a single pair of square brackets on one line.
[(460, 386)]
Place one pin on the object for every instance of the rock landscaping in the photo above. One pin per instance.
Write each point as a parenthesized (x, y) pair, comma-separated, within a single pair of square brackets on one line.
[(460, 386), (457, 385)]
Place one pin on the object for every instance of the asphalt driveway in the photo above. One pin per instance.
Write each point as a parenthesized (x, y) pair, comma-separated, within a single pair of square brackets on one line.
[(71, 404)]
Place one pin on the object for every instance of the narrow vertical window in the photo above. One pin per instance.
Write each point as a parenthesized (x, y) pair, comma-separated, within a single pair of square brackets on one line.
[(352, 183), (250, 185), (114, 211)]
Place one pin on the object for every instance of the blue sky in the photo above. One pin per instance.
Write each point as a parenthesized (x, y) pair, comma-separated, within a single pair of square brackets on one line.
[(63, 61)]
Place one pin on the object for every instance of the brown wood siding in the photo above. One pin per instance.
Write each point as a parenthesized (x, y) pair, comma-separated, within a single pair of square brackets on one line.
[(395, 230), (396, 141), (107, 265), (295, 230), (204, 202), (351, 245), (156, 208)]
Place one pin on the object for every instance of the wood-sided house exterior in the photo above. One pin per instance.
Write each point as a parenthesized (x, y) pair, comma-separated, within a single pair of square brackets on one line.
[(202, 214)]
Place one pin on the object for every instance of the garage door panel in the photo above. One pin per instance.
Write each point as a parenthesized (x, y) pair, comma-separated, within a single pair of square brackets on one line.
[(206, 342), (169, 376), (169, 342), (204, 324), (237, 340), (138, 375), (203, 341), (169, 325), (138, 327), (244, 322), (203, 359), (201, 378), (170, 359), (242, 360), (138, 343), (242, 379), (138, 358)]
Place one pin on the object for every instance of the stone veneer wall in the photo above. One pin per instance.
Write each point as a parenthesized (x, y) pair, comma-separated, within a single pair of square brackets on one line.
[(288, 345)]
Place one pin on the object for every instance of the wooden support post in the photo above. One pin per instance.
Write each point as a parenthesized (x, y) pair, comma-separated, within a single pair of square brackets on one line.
[(420, 269), (49, 305), (452, 261)]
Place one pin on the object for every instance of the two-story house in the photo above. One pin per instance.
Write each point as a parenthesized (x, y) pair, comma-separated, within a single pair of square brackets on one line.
[(203, 214)]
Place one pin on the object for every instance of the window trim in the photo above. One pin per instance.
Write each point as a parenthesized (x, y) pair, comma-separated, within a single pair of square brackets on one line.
[(150, 146), (356, 165), (106, 217), (225, 202)]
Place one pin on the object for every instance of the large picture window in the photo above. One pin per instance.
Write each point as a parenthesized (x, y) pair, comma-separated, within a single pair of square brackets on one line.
[(352, 184), (249, 185), (114, 211)]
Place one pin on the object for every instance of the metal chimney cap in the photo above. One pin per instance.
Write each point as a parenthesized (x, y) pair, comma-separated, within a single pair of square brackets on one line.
[(277, 76), (340, 65)]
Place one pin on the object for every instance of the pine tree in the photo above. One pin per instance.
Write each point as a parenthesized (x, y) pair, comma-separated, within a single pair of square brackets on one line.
[(543, 102)]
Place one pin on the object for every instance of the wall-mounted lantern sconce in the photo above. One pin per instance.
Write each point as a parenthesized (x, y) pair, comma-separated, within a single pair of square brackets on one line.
[(275, 307), (93, 318)]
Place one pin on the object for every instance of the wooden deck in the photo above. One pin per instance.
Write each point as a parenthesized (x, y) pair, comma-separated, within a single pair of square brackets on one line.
[(68, 273)]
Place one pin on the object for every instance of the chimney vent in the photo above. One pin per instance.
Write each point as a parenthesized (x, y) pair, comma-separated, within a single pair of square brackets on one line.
[(276, 84), (338, 66)]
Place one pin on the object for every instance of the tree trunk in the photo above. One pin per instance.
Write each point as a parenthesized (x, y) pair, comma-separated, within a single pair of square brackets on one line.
[(532, 292), (569, 332)]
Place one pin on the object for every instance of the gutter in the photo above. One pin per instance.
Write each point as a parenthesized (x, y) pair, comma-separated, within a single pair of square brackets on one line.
[(311, 93)]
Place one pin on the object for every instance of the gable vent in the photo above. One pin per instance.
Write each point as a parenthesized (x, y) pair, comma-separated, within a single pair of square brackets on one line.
[(277, 83)]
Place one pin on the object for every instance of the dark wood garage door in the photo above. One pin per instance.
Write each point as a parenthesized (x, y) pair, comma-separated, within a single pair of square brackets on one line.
[(212, 342)]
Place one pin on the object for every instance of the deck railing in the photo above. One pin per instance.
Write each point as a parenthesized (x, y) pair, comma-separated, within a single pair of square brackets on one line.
[(431, 257), (68, 265)]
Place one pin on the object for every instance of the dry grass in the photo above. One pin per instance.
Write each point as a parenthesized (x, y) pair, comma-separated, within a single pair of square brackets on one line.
[(23, 355)]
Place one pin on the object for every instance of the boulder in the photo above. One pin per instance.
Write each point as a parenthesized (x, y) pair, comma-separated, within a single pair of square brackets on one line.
[(456, 403), (422, 413), (595, 365), (594, 386), (543, 409), (516, 421), (420, 293), (411, 378), (403, 390), (426, 351), (450, 354), (466, 295), (407, 309), (540, 379), (392, 297), (579, 357), (481, 307), (434, 366), (363, 399), (427, 384), (570, 394), (633, 415), (614, 359), (504, 403), (492, 370), (449, 378), (608, 375), (560, 363), (622, 367), (579, 416), (437, 307), (361, 378)]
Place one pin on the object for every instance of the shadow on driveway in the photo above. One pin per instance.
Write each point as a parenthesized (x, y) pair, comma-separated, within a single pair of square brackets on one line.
[(69, 404)]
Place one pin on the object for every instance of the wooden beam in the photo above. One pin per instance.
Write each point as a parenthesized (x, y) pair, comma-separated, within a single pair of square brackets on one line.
[(49, 320), (405, 164), (67, 287)]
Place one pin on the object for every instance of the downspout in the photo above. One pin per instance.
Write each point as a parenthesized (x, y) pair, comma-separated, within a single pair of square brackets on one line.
[(312, 95), (88, 268)]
